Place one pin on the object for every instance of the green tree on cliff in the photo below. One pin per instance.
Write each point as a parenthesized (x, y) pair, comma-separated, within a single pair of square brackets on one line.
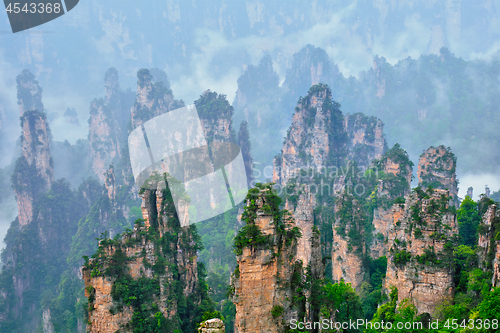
[(468, 220)]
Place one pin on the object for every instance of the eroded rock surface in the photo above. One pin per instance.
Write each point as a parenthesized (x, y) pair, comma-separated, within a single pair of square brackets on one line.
[(421, 245)]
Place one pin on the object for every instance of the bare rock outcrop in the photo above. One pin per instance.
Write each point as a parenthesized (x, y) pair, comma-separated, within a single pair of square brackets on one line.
[(212, 326), (366, 138), (436, 168), (484, 242), (495, 280)]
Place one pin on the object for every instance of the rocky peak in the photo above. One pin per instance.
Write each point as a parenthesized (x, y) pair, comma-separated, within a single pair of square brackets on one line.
[(394, 183), (111, 84), (216, 116), (29, 93), (436, 168), (396, 168), (379, 65), (366, 138), (153, 99), (366, 208), (34, 170), (309, 67), (314, 161), (256, 82), (316, 137), (107, 125)]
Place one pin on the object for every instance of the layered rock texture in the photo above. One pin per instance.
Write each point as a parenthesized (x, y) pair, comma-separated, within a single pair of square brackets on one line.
[(149, 276), (35, 159), (316, 139), (374, 215), (365, 210), (55, 227), (488, 244), (107, 124), (366, 138), (484, 242), (313, 166), (436, 168), (421, 250), (269, 278), (394, 182)]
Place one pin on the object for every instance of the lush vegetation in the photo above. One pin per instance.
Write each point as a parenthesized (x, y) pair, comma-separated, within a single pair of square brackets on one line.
[(37, 255), (143, 293), (250, 234), (468, 221)]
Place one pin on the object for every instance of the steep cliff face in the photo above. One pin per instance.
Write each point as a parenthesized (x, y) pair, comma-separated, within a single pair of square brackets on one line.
[(35, 160), (320, 138), (315, 140), (315, 145), (215, 114), (495, 280), (149, 276), (394, 182), (366, 138), (366, 208), (436, 168), (421, 250), (488, 244), (153, 99), (269, 274), (107, 124), (35, 258), (484, 242), (312, 169), (348, 245)]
